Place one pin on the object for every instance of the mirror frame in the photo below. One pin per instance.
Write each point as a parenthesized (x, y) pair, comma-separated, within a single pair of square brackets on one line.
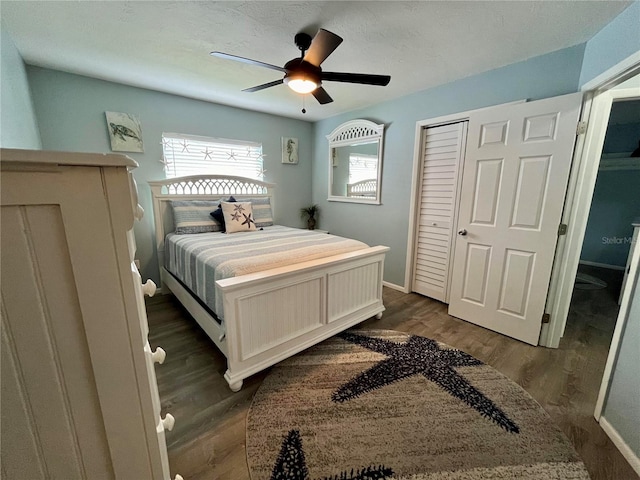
[(356, 131)]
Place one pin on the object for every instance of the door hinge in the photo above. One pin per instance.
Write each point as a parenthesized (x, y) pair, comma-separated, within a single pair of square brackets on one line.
[(562, 229), (546, 318), (581, 129)]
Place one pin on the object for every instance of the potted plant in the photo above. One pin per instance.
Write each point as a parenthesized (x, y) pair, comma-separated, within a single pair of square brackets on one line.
[(310, 213)]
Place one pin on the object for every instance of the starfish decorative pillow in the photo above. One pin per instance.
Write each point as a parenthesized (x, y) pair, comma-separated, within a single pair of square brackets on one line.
[(238, 217)]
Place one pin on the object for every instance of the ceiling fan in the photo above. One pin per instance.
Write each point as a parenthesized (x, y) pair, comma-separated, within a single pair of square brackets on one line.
[(304, 74)]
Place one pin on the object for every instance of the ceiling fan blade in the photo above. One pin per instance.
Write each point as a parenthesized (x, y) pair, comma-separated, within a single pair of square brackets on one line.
[(322, 45), (263, 86), (247, 61), (364, 78), (322, 96)]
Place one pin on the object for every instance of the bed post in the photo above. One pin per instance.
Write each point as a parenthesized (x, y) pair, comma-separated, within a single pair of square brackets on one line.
[(158, 219)]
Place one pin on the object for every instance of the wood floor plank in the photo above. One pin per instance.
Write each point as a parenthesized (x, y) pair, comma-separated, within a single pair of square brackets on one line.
[(208, 440)]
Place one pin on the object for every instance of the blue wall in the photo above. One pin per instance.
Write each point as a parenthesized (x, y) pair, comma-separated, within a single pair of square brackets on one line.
[(622, 138), (615, 204), (18, 121), (70, 111), (556, 73), (612, 44)]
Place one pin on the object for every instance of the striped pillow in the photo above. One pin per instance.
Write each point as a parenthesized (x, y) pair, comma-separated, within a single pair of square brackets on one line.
[(192, 216), (261, 211)]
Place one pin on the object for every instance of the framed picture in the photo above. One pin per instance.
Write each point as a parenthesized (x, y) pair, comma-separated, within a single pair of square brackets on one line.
[(290, 150), (125, 132)]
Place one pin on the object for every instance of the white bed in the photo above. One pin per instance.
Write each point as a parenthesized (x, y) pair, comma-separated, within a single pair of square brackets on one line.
[(272, 314)]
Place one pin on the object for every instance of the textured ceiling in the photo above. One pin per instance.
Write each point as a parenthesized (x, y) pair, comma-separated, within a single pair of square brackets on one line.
[(165, 45)]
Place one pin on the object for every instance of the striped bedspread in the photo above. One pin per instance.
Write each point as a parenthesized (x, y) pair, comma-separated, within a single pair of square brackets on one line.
[(199, 260)]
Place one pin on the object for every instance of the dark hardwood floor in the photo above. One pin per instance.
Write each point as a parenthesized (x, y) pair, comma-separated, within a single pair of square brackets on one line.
[(208, 440)]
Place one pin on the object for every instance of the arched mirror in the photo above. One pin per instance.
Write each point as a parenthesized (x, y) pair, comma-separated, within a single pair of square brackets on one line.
[(355, 162)]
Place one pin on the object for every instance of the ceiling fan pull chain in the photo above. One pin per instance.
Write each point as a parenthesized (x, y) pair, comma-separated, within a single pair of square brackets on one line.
[(304, 110)]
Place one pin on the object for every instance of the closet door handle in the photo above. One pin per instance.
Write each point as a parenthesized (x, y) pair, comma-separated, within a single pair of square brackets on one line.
[(149, 288), (159, 355), (168, 422), (462, 232)]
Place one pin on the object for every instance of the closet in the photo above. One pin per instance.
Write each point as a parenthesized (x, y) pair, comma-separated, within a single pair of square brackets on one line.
[(484, 230), (441, 151), (79, 393)]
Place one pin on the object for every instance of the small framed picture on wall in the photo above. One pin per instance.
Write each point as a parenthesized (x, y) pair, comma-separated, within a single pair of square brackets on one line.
[(125, 132), (290, 150)]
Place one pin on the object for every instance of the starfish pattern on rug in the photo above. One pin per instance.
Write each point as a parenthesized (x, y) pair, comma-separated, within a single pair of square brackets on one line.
[(291, 464), (420, 355)]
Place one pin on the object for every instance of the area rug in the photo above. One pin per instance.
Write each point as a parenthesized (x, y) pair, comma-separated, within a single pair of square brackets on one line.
[(375, 404)]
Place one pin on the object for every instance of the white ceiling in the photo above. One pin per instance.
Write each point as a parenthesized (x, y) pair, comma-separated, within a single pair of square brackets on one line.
[(165, 46)]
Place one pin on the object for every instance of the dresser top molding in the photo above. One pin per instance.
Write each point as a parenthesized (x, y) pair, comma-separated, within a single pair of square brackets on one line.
[(12, 155)]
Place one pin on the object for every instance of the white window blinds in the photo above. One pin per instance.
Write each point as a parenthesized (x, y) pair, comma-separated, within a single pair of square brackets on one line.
[(193, 155)]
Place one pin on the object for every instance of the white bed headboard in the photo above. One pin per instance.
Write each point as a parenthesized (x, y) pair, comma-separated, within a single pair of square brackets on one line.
[(199, 187)]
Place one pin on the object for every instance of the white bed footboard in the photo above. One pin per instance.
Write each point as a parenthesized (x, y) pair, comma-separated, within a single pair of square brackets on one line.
[(274, 314)]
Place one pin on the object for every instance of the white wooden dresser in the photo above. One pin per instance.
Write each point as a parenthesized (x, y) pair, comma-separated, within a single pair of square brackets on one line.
[(79, 398)]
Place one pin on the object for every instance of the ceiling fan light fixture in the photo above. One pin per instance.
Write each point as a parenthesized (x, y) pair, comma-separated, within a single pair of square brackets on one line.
[(301, 84)]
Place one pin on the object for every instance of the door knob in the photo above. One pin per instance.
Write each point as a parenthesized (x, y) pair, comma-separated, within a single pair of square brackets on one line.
[(159, 355), (462, 232), (149, 287), (168, 422)]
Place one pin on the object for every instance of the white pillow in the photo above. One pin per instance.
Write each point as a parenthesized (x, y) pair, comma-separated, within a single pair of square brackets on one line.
[(238, 216)]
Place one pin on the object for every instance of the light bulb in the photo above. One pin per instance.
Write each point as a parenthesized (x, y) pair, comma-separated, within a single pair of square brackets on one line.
[(302, 85)]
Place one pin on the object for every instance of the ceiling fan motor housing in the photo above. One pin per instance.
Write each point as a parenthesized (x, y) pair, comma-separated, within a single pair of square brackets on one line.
[(299, 69)]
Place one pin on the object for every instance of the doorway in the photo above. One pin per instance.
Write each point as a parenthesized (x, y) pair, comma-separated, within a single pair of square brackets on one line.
[(607, 240), (618, 87), (615, 204)]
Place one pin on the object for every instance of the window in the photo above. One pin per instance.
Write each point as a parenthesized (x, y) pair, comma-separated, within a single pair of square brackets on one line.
[(193, 155), (362, 167)]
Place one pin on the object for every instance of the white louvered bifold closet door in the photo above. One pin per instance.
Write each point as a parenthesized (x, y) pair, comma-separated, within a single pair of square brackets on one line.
[(442, 150)]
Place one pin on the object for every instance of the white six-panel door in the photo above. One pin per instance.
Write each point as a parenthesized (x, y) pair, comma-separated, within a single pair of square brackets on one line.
[(515, 175)]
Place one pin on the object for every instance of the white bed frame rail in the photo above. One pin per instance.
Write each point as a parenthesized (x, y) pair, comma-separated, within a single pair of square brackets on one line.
[(273, 314)]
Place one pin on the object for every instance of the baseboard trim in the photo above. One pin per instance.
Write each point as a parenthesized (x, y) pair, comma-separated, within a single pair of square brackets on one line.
[(601, 265), (393, 286), (620, 444)]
